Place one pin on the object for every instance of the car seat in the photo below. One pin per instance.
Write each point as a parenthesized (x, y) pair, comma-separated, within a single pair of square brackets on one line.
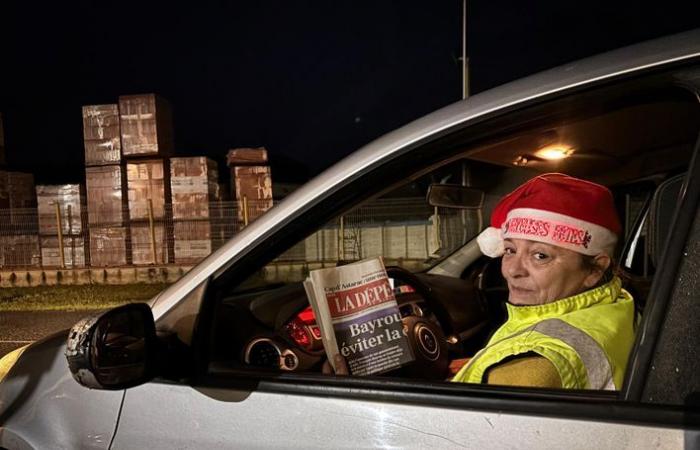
[(648, 239)]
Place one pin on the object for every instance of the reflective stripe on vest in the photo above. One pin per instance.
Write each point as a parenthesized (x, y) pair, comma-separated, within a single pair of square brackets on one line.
[(593, 358), (592, 355)]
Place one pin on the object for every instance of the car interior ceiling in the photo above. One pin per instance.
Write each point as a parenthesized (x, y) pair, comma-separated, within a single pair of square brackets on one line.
[(613, 147), (647, 139)]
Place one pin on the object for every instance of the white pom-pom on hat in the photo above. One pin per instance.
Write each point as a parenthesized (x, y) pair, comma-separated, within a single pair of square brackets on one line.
[(491, 242)]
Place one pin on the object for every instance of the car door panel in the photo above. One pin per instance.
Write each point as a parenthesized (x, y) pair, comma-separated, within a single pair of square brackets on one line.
[(159, 415)]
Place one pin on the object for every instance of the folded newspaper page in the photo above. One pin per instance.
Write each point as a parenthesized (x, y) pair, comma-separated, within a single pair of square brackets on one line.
[(358, 316)]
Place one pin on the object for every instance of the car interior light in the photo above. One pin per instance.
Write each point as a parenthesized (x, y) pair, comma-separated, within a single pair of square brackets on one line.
[(554, 152)]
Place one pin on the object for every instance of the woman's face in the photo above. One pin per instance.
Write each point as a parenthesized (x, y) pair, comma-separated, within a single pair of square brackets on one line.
[(539, 273)]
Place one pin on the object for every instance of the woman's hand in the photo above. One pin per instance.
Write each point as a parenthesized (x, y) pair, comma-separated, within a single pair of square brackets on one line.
[(341, 366)]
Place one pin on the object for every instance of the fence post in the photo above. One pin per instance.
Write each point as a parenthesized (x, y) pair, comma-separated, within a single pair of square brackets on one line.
[(152, 230), (221, 217), (427, 240), (69, 216), (322, 232), (381, 238), (341, 240), (245, 211), (359, 242), (59, 227), (405, 241), (438, 241)]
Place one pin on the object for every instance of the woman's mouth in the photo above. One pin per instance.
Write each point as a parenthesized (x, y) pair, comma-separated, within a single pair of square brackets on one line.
[(518, 295), (519, 290)]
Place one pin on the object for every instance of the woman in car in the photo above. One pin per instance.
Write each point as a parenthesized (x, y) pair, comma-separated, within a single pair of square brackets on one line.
[(570, 324)]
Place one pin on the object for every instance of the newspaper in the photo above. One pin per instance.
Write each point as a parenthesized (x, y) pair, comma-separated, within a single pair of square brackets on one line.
[(358, 316)]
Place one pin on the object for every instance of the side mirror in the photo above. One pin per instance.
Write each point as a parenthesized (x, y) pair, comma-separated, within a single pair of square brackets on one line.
[(114, 349), (455, 196)]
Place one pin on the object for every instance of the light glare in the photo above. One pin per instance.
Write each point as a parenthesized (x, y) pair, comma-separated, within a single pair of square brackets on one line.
[(554, 153)]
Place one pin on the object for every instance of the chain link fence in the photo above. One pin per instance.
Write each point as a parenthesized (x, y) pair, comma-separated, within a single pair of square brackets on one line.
[(59, 237)]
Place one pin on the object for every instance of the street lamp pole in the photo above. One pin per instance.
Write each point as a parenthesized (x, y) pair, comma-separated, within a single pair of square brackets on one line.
[(465, 60), (475, 222)]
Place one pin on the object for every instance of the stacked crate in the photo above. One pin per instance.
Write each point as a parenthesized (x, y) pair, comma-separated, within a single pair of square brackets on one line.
[(146, 135), (108, 215), (105, 182), (196, 219), (146, 126), (149, 197), (251, 182), (101, 134), (62, 204), (19, 240)]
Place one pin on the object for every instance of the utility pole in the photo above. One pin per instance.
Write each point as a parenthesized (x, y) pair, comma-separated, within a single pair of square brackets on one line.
[(468, 220), (465, 59)]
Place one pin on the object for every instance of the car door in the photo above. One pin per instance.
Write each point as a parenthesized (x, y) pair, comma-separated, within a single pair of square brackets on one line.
[(218, 407), (227, 409)]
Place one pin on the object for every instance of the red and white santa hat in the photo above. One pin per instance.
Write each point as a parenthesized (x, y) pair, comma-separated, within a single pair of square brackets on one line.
[(555, 209)]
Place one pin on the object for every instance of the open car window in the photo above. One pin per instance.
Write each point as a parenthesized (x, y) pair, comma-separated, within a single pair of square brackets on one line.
[(275, 328), (262, 323)]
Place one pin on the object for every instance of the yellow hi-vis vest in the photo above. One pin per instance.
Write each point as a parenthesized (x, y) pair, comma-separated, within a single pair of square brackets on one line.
[(587, 337)]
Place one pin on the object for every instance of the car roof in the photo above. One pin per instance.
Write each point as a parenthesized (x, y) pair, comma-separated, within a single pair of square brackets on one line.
[(646, 55)]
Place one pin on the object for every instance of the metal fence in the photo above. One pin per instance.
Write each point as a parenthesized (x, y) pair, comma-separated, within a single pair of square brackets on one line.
[(400, 229)]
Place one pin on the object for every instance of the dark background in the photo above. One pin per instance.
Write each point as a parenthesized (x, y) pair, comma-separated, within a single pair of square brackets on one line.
[(310, 80)]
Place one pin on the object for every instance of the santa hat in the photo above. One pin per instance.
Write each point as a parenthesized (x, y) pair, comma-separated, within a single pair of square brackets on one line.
[(555, 209)]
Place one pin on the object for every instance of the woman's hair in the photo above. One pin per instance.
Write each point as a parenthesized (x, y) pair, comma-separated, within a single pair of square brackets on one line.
[(588, 263)]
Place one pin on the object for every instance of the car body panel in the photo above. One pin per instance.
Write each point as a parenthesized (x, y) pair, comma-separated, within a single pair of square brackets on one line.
[(226, 418), (41, 405)]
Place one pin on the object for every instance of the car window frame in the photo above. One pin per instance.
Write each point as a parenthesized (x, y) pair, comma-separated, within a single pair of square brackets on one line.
[(665, 281)]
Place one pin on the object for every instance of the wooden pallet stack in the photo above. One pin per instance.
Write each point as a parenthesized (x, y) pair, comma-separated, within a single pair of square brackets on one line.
[(251, 182), (146, 126), (196, 218), (149, 197), (62, 225), (105, 183), (146, 135), (101, 134)]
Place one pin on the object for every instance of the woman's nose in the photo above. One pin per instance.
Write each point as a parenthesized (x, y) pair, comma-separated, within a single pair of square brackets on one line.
[(513, 266)]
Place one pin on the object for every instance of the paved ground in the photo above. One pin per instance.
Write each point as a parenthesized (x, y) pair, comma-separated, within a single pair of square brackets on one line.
[(18, 328)]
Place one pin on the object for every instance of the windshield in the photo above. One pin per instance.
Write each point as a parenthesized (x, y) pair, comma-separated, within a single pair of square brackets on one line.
[(402, 225)]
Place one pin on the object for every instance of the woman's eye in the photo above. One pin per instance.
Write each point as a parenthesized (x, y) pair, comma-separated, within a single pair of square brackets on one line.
[(509, 251), (540, 256)]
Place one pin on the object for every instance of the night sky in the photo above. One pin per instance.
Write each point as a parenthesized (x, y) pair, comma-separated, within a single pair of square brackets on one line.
[(310, 80)]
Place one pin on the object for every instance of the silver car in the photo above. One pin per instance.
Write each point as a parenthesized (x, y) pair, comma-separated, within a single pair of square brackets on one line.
[(229, 356)]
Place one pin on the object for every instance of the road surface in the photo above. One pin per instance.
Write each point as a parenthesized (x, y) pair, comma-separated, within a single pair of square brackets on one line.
[(18, 328)]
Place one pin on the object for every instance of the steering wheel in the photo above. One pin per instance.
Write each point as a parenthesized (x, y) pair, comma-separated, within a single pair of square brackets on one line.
[(493, 287), (427, 340), (427, 295), (490, 282)]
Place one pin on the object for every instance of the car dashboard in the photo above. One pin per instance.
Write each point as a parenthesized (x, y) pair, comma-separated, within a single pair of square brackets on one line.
[(273, 328)]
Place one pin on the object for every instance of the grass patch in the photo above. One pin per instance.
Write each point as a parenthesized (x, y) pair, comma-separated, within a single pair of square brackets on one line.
[(75, 297)]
